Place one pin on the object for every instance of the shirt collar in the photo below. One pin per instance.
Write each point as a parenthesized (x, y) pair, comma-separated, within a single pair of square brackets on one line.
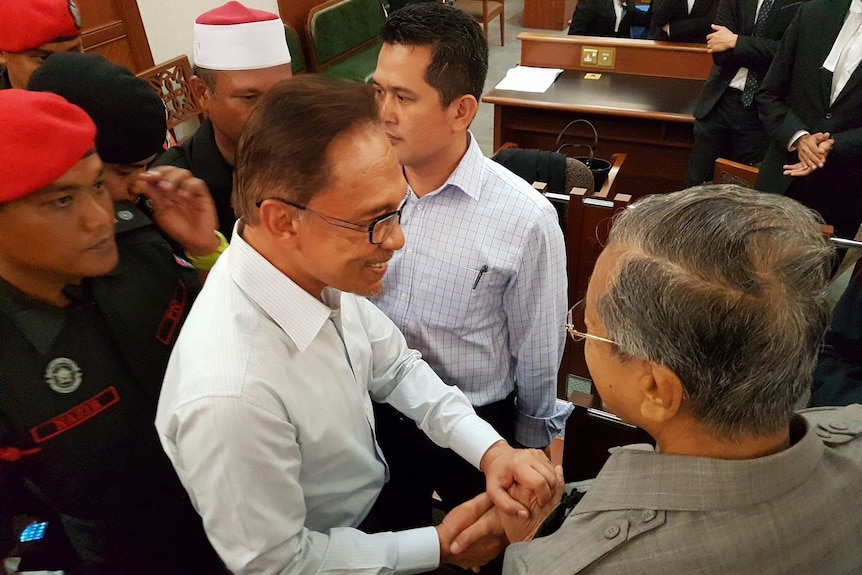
[(684, 483), (469, 174), (300, 315)]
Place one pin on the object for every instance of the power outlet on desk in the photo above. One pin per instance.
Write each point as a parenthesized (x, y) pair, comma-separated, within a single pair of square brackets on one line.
[(598, 57), (607, 57)]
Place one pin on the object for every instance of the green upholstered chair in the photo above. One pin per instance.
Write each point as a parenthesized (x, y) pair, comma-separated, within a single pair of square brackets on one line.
[(343, 38), (297, 57)]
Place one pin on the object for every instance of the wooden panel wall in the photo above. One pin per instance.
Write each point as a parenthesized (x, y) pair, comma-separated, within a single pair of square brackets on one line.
[(114, 29)]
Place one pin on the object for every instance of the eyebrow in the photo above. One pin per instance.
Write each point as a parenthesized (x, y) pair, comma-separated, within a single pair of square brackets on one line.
[(380, 210), (398, 89), (51, 188)]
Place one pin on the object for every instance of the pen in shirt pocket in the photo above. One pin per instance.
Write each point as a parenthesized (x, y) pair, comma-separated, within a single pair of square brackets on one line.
[(482, 271)]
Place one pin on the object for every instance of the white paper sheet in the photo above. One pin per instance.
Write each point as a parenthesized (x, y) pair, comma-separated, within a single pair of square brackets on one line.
[(529, 79)]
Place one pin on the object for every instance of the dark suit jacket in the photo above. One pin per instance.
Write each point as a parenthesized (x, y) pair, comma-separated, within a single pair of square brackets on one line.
[(684, 27), (794, 96), (597, 18), (753, 53)]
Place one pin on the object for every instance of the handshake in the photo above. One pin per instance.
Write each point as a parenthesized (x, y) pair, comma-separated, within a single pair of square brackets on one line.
[(523, 488)]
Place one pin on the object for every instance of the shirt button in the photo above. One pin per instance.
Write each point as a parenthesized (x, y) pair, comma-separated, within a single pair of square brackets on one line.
[(419, 208), (648, 515), (612, 531), (404, 297), (409, 252), (828, 115)]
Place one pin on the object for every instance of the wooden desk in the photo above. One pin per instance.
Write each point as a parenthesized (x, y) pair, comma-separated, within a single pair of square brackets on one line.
[(548, 14), (648, 118)]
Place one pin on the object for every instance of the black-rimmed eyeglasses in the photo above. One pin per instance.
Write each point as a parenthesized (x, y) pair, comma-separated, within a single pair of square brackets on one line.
[(378, 230)]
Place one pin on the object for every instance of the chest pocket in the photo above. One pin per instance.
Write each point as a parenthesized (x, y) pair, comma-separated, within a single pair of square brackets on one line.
[(462, 307)]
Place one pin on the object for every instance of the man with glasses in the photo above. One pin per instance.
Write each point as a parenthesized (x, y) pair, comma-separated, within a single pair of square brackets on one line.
[(266, 409), (705, 334), (480, 288)]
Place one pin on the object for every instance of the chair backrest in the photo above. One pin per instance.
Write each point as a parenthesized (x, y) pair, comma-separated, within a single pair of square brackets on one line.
[(729, 172), (171, 81), (339, 28), (578, 175), (297, 56)]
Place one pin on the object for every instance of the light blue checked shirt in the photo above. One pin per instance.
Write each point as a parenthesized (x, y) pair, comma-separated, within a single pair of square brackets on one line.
[(480, 289)]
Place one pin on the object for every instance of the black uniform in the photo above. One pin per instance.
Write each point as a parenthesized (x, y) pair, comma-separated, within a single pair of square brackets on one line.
[(201, 157), (5, 83), (79, 387)]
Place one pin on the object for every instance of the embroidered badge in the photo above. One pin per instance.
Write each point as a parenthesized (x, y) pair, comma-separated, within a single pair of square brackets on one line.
[(76, 14), (76, 416), (63, 375)]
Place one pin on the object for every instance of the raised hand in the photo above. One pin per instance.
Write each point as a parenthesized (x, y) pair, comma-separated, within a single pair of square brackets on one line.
[(182, 207)]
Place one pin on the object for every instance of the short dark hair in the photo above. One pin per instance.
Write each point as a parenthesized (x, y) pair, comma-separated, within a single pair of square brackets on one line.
[(459, 61), (282, 151), (207, 76)]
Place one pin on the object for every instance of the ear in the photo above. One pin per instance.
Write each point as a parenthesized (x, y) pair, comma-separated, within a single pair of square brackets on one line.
[(464, 110), (279, 222), (662, 394), (202, 94)]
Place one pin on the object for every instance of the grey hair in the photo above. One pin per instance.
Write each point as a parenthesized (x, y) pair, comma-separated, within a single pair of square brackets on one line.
[(726, 287)]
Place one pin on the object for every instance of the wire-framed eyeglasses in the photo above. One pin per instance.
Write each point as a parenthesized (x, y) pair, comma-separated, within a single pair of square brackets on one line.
[(378, 230), (578, 335)]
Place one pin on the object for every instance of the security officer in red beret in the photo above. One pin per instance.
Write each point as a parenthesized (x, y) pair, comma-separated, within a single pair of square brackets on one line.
[(87, 324), (131, 128), (32, 30)]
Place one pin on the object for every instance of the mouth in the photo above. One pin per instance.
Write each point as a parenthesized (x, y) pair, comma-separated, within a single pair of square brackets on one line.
[(379, 267), (392, 138), (104, 244)]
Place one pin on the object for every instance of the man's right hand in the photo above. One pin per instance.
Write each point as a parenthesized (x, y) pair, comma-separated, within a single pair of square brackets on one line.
[(486, 540)]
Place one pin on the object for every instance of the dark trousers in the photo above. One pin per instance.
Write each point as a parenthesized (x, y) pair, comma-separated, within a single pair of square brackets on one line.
[(418, 467), (730, 131)]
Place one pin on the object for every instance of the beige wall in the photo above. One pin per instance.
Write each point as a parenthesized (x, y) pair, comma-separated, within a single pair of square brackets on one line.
[(169, 23)]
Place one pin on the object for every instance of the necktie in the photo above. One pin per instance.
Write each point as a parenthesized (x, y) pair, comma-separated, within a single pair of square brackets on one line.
[(752, 81)]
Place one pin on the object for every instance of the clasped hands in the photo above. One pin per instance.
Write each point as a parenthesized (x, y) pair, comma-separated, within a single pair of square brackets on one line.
[(813, 150), (522, 490)]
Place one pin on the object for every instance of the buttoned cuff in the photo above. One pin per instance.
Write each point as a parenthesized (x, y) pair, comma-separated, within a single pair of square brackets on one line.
[(791, 145), (539, 432), (472, 438), (418, 550)]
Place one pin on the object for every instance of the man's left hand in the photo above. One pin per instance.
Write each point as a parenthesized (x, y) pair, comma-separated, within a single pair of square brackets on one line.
[(182, 207), (721, 40), (530, 468)]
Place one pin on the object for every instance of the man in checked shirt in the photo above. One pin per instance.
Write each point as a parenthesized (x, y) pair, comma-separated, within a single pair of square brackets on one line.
[(480, 286)]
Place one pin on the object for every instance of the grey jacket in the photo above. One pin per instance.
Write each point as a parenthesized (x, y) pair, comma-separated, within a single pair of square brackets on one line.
[(794, 512)]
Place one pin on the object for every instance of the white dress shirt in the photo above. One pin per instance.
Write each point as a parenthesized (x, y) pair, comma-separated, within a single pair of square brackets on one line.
[(846, 52), (485, 330), (266, 416)]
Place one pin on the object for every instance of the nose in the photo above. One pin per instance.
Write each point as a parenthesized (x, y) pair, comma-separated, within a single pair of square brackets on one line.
[(385, 110), (395, 241), (96, 210)]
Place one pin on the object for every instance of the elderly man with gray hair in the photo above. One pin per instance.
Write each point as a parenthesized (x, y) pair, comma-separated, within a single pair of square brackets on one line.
[(703, 318)]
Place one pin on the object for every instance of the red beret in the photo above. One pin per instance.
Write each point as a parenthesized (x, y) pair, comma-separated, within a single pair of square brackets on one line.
[(42, 136), (234, 13), (28, 24)]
